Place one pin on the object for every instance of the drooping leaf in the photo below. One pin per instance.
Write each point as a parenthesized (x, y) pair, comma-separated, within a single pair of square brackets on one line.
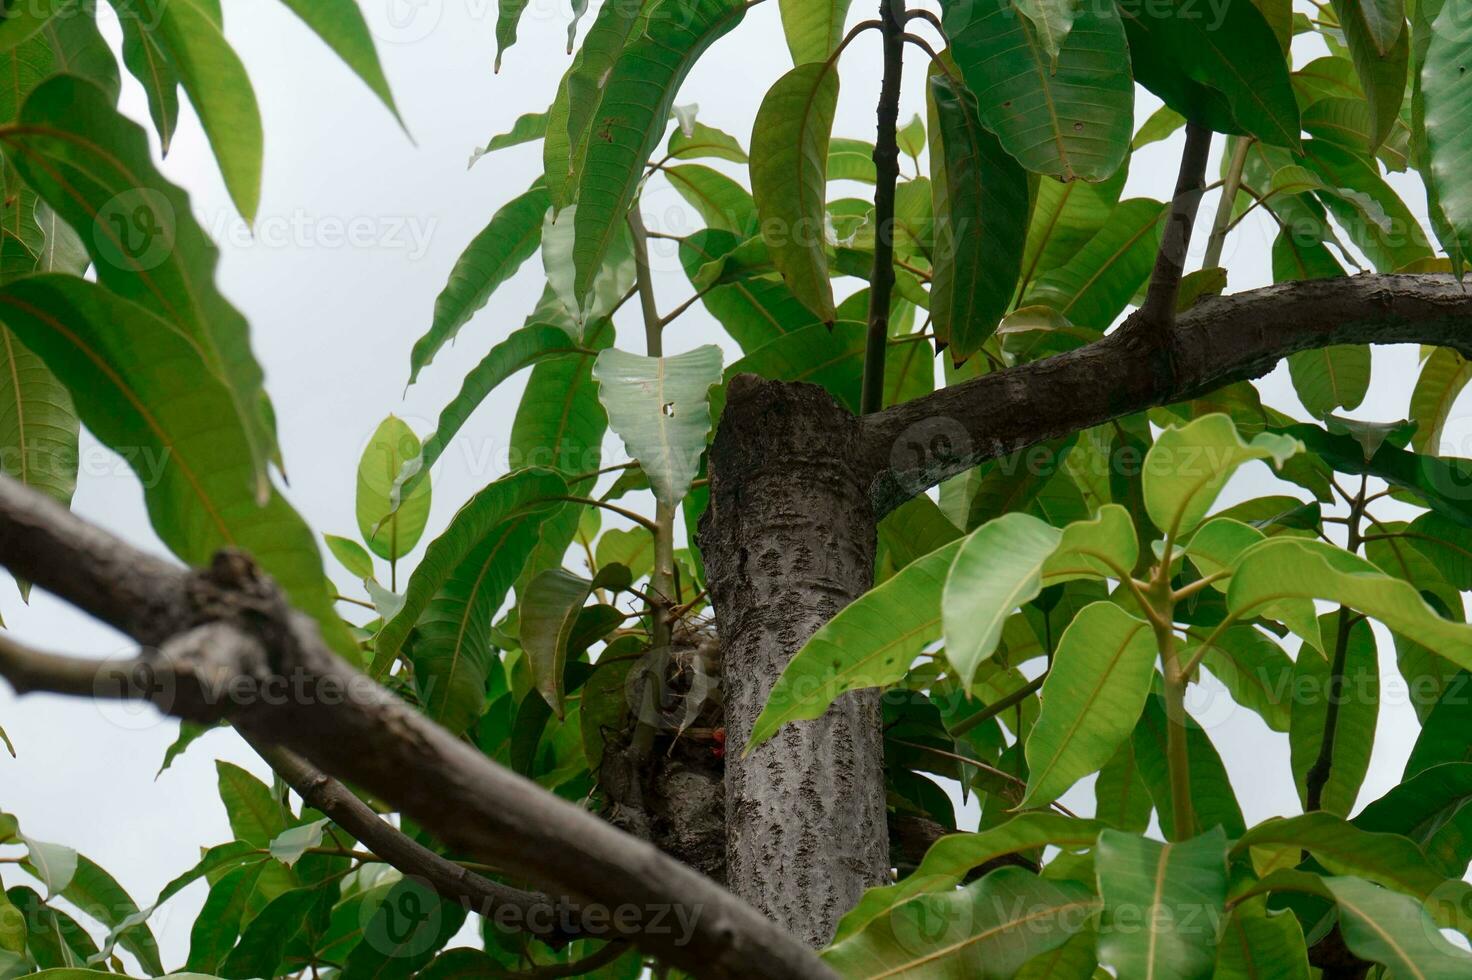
[(1380, 45), (506, 23), (1162, 903), (704, 141), (1094, 693), (144, 389), (1258, 942), (149, 62), (1211, 791), (1443, 90), (660, 408), (528, 128), (493, 257), (981, 221), (390, 527), (988, 929), (38, 423), (96, 893), (219, 89), (1226, 72), (720, 201), (1071, 117), (813, 27), (1444, 376), (1394, 930), (93, 167), (789, 159), (341, 25), (629, 123), (472, 559), (1331, 378), (549, 610)]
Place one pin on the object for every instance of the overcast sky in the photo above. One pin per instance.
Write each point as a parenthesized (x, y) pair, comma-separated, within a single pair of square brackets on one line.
[(359, 226)]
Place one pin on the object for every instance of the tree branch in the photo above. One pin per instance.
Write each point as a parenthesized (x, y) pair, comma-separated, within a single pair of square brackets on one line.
[(1159, 311), (226, 645), (912, 447), (887, 170)]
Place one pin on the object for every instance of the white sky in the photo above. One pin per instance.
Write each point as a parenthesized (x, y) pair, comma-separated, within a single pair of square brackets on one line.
[(333, 322)]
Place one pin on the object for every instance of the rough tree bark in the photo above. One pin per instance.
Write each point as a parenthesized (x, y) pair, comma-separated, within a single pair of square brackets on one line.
[(788, 541)]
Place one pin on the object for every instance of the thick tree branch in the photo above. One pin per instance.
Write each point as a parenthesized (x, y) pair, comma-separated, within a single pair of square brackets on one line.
[(1159, 311), (912, 447), (228, 646)]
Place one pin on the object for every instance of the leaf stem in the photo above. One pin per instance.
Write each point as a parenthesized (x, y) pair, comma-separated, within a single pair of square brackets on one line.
[(887, 171), (1224, 223)]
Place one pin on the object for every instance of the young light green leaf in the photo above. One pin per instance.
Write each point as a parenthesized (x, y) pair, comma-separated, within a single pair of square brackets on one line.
[(660, 407), (1188, 466), (813, 27), (549, 609), (981, 221), (989, 929), (789, 179), (493, 257), (1162, 903), (1060, 116), (954, 856), (390, 528), (1094, 693), (351, 555), (637, 97)]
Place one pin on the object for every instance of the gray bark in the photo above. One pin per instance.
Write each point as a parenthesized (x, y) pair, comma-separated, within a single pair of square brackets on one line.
[(788, 541)]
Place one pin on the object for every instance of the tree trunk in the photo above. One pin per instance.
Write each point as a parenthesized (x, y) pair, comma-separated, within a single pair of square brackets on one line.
[(788, 541)]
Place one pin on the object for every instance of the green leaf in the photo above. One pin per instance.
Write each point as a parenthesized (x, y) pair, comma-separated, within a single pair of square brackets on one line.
[(265, 938), (1094, 693), (1389, 860), (1444, 376), (220, 91), (23, 20), (1448, 129), (1211, 790), (720, 201), (1396, 931), (256, 816), (506, 24), (477, 542), (911, 138), (1261, 943), (1070, 117), (813, 27), (525, 347), (789, 178), (38, 423), (704, 141), (954, 856), (989, 929), (1300, 568), (1380, 45), (405, 930), (55, 865), (1331, 378), (1256, 671), (528, 128), (850, 159), (1226, 71), (1052, 20), (391, 528), (1162, 904), (493, 257), (151, 65), (1188, 466), (610, 285), (1367, 208), (637, 97), (97, 893), (981, 221), (660, 408), (218, 925), (340, 23), (94, 167), (1065, 216), (351, 555), (143, 388), (549, 609), (1097, 283)]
